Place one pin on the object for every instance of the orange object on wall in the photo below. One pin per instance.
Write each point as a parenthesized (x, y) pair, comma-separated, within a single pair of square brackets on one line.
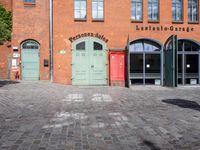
[(117, 66)]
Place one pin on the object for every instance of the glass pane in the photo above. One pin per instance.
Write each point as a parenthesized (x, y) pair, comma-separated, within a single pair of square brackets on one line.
[(30, 45), (191, 67), (136, 47), (80, 46), (136, 63), (180, 70), (97, 46), (152, 63)]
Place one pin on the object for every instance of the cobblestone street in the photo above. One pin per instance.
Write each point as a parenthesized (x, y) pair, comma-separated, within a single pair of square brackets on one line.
[(46, 116)]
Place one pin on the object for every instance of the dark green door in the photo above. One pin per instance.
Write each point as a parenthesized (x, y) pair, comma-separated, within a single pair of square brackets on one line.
[(170, 61), (89, 62)]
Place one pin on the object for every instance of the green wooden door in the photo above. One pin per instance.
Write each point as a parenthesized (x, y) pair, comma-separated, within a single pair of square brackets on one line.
[(170, 61), (80, 63), (97, 63), (89, 62), (30, 61)]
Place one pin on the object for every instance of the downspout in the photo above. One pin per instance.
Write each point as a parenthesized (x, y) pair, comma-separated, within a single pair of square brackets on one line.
[(51, 38)]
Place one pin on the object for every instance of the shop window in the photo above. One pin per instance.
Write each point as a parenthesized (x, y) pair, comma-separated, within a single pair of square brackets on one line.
[(136, 10), (193, 10), (97, 9), (153, 10), (97, 46), (80, 46), (177, 10), (80, 9)]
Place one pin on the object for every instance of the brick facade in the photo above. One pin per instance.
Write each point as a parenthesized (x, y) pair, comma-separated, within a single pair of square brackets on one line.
[(116, 27), (32, 22), (5, 51), (7, 4)]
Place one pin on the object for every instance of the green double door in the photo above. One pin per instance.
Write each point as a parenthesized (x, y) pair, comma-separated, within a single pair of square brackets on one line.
[(89, 62), (30, 64)]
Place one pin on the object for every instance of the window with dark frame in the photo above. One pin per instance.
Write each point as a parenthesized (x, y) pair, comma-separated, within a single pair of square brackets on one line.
[(98, 9), (177, 10), (136, 10), (80, 9), (193, 11), (29, 1), (153, 10)]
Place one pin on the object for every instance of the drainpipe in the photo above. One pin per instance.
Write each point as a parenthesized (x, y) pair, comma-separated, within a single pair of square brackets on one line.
[(51, 38)]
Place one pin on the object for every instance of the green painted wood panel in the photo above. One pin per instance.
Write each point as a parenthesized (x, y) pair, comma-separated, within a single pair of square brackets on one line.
[(30, 64), (89, 65)]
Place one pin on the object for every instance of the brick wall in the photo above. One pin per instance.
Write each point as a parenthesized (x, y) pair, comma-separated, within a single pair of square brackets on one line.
[(32, 22), (4, 53), (116, 27), (7, 4)]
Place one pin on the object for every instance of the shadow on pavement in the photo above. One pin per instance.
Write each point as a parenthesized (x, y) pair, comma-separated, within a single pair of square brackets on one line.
[(183, 103), (151, 145), (7, 82)]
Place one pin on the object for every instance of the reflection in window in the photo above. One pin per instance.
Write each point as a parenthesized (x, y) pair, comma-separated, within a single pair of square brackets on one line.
[(80, 9), (30, 45), (177, 7), (97, 9), (97, 46), (144, 45), (193, 10), (80, 46), (136, 9), (153, 10)]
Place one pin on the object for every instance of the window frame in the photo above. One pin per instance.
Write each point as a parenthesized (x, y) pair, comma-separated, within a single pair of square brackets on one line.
[(135, 20), (158, 19), (98, 19), (182, 13), (29, 3), (81, 19), (192, 21)]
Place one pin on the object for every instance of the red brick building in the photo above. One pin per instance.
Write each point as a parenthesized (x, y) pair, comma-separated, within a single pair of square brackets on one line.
[(86, 31)]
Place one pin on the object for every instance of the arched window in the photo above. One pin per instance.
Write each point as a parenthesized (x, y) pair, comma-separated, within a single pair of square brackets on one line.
[(144, 46), (186, 45), (80, 46), (30, 44), (97, 46)]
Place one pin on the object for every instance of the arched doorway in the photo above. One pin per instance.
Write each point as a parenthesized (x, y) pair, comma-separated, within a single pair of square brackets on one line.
[(30, 60), (188, 62), (145, 62), (89, 62)]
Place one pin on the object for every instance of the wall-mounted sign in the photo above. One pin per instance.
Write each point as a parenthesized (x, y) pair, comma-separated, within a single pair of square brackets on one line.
[(16, 55), (62, 52), (163, 28), (97, 35)]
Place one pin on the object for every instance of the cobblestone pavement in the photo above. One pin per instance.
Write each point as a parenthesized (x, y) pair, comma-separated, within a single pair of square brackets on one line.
[(46, 116)]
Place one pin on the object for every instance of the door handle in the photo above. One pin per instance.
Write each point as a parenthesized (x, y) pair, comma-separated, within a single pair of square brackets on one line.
[(92, 66)]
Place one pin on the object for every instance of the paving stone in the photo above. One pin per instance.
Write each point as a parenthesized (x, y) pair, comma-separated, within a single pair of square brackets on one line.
[(46, 116)]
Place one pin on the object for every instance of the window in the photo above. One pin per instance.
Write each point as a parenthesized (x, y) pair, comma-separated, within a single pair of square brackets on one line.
[(30, 45), (97, 46), (177, 10), (136, 10), (153, 8), (97, 9), (80, 46), (193, 10), (80, 9), (29, 1)]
